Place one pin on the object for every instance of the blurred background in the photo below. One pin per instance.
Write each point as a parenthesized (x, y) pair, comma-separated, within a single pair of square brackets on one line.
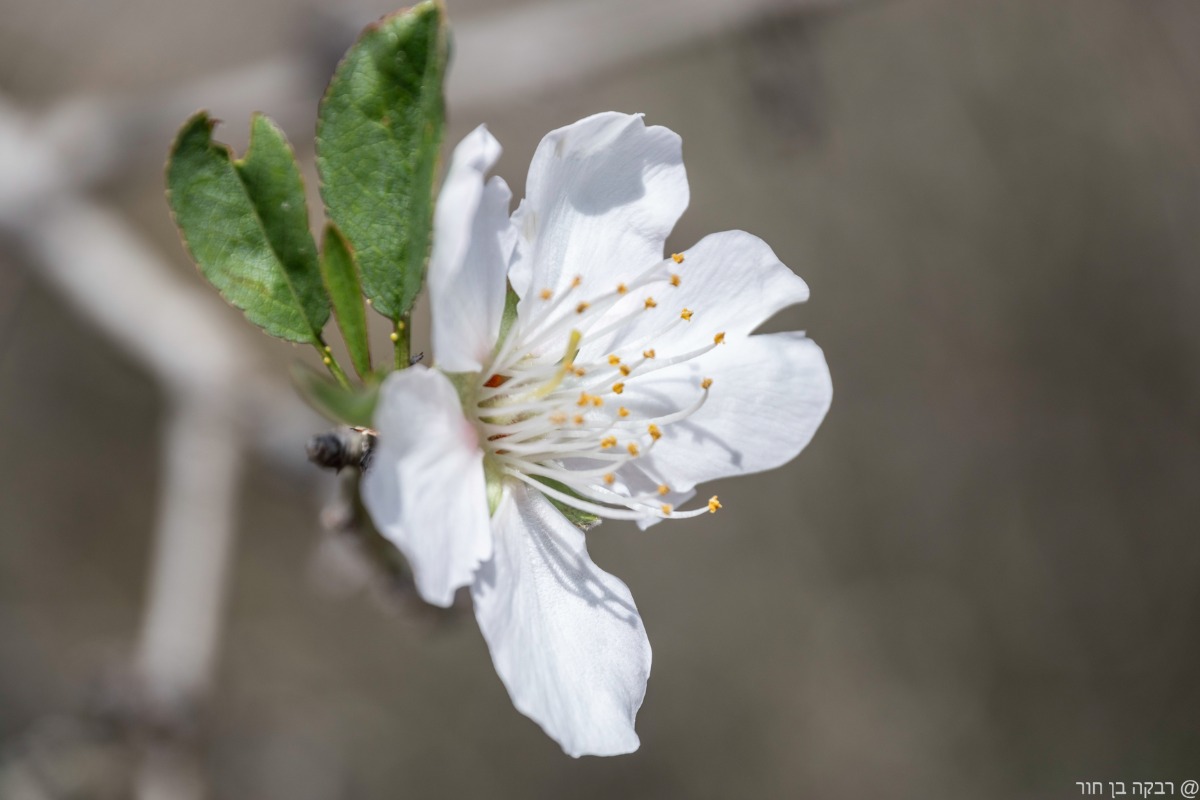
[(978, 581)]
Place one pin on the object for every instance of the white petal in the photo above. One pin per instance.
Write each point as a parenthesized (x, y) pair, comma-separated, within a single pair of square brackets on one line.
[(601, 197), (424, 488), (732, 282), (471, 248), (565, 636), (769, 395)]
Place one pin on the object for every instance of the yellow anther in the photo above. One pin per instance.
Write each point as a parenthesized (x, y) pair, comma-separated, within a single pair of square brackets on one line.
[(625, 370), (558, 419), (655, 432), (648, 353), (582, 307), (545, 294), (585, 399), (713, 504), (607, 442), (650, 302), (632, 448), (609, 478), (614, 360), (707, 382), (667, 508), (686, 314), (675, 279), (618, 387), (719, 338), (327, 360), (578, 420), (663, 488), (395, 337), (622, 288), (677, 257), (622, 412), (576, 281), (597, 401), (579, 372)]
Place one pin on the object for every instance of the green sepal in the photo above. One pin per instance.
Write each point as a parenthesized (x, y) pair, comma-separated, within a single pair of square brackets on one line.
[(580, 519), (245, 224), (340, 272), (379, 132), (336, 403)]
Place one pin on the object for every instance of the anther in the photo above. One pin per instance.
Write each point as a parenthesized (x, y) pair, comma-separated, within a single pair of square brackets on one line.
[(663, 489), (614, 360), (707, 382), (622, 412), (675, 279), (625, 370), (578, 419), (655, 432), (618, 388), (607, 442), (597, 401), (648, 353), (667, 508), (545, 294), (579, 372), (650, 302), (584, 399), (610, 478), (622, 288), (719, 338), (576, 281), (558, 419), (677, 257), (632, 448), (686, 314), (582, 307), (713, 504)]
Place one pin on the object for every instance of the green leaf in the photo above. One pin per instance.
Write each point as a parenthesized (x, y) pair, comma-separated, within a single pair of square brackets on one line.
[(245, 224), (379, 131), (349, 406), (341, 280)]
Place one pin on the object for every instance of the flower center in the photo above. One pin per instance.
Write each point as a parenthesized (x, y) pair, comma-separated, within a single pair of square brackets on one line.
[(578, 429)]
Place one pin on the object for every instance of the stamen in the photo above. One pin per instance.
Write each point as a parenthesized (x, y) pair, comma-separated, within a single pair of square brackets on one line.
[(622, 288), (686, 315), (675, 279), (545, 294), (667, 508), (582, 307), (648, 353), (625, 370), (632, 448), (707, 382), (677, 258), (607, 442), (655, 432), (622, 412), (650, 302), (713, 504), (613, 360), (576, 281), (663, 489), (610, 478), (719, 338), (618, 388)]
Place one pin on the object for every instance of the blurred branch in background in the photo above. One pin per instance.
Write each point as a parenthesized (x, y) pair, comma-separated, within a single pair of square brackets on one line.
[(219, 402)]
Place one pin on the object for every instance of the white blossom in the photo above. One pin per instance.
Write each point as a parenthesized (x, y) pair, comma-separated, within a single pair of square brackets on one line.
[(625, 379)]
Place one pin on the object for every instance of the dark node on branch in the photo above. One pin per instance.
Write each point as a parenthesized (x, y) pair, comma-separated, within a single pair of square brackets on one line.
[(417, 359), (341, 448)]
